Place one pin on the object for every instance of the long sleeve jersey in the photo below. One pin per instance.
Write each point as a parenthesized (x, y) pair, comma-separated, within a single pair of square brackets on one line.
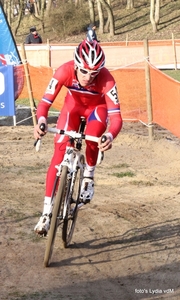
[(102, 90)]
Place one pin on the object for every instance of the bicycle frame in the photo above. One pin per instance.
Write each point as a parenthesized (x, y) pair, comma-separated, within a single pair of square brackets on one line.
[(66, 190), (72, 161)]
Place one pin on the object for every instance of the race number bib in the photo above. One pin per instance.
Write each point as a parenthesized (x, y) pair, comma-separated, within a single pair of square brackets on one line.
[(52, 86), (113, 95)]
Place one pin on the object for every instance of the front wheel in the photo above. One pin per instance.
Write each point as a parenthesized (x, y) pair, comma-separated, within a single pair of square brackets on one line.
[(72, 204), (56, 216)]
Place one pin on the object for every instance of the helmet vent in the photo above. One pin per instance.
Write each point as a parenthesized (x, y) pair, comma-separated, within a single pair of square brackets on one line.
[(89, 55)]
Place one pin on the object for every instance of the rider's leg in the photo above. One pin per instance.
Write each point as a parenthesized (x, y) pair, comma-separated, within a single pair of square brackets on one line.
[(43, 224), (96, 126), (66, 121)]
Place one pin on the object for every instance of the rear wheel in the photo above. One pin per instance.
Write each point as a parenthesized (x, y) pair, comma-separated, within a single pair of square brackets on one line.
[(56, 216), (72, 205)]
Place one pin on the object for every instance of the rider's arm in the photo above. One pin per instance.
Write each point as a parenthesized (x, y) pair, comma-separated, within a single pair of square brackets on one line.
[(62, 76), (114, 114), (113, 107)]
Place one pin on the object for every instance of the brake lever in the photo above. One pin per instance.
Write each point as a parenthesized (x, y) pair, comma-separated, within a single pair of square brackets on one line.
[(38, 141), (103, 138)]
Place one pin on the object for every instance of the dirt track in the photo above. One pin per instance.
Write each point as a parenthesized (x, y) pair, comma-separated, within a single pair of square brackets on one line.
[(126, 243)]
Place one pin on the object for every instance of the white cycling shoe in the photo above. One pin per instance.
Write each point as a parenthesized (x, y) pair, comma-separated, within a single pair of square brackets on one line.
[(87, 190), (43, 225)]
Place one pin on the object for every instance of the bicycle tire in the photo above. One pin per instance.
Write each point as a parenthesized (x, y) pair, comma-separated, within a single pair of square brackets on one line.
[(54, 219), (72, 207)]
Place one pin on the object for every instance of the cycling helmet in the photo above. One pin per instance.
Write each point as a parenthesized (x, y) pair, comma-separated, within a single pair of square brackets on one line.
[(89, 55)]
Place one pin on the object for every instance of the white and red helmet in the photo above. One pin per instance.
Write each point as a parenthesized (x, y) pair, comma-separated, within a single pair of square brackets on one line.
[(89, 55)]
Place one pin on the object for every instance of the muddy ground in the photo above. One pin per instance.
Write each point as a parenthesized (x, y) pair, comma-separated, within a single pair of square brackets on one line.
[(126, 244)]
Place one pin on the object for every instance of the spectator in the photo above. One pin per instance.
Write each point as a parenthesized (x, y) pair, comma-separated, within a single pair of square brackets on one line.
[(91, 33), (33, 37)]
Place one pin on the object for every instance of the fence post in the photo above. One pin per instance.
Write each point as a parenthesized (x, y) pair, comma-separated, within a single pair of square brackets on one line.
[(127, 39), (174, 51), (148, 90), (29, 87), (49, 53)]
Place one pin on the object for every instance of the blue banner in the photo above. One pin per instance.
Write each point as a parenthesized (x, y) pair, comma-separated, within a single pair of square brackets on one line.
[(7, 104), (9, 54)]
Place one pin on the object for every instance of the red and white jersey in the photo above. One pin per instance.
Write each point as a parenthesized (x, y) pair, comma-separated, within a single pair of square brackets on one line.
[(101, 91)]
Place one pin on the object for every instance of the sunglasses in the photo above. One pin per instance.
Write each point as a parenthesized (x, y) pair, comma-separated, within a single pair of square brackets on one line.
[(91, 73)]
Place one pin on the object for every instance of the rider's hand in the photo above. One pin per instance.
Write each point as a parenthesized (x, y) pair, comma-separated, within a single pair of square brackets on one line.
[(103, 146), (38, 133)]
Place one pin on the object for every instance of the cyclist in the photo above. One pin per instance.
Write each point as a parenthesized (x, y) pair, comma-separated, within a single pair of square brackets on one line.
[(92, 93)]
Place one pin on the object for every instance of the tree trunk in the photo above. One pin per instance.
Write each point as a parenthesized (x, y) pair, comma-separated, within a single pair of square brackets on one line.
[(154, 14), (91, 11), (157, 11), (101, 17), (48, 8), (36, 11), (130, 4), (9, 12), (20, 14), (43, 2), (78, 3), (110, 17), (107, 25)]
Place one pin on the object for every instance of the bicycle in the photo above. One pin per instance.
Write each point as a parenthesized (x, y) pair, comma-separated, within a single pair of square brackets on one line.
[(67, 186)]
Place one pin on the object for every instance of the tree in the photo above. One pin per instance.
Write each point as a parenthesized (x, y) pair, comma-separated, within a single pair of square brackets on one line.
[(78, 2), (49, 4), (20, 13), (111, 25), (107, 25), (91, 11), (130, 4), (43, 5), (101, 16), (154, 14)]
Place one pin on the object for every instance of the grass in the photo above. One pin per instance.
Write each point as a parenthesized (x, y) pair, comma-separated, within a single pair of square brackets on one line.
[(123, 174), (26, 102), (123, 165), (142, 183), (175, 74), (35, 296)]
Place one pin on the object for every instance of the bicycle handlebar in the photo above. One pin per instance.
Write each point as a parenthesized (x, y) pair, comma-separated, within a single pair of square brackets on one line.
[(73, 134)]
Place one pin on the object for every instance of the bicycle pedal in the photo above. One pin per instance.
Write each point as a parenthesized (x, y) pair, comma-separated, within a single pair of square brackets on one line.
[(85, 201), (81, 204)]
